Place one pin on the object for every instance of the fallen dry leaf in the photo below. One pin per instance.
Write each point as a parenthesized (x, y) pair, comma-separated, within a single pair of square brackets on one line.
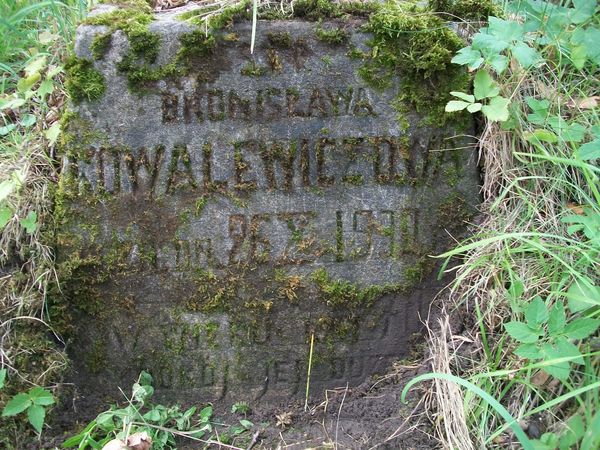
[(577, 209), (115, 444), (139, 441), (284, 419), (584, 103), (540, 378)]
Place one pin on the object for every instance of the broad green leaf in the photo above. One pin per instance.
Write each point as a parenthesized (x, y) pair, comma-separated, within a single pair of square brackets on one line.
[(35, 66), (46, 87), (574, 431), (7, 187), (29, 222), (516, 289), (540, 110), (520, 332), (578, 56), (2, 377), (582, 296), (557, 319), (484, 85), (16, 405), (53, 71), (488, 44), (106, 421), (526, 55), (528, 351), (36, 415), (206, 413), (466, 97), (153, 415), (13, 103), (591, 438), (7, 129), (25, 84), (497, 109), (468, 56), (540, 135), (506, 30), (556, 368), (567, 349), (145, 378), (41, 396), (474, 107), (456, 105), (246, 424), (582, 10), (581, 328), (498, 62), (588, 37), (574, 132), (536, 313), (52, 133), (590, 150), (28, 120)]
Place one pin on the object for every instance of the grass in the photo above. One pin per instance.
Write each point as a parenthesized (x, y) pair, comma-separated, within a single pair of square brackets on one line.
[(526, 248), (35, 36)]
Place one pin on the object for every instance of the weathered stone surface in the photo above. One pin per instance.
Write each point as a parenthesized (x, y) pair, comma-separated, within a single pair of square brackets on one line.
[(212, 224)]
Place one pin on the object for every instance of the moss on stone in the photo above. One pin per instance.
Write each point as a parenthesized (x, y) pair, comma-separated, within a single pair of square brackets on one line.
[(251, 69), (282, 39), (334, 36), (84, 82), (100, 45)]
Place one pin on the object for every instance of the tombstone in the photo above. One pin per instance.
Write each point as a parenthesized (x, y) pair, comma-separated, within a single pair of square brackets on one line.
[(214, 219)]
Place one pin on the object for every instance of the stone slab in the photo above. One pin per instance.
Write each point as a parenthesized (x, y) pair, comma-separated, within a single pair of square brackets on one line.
[(212, 225)]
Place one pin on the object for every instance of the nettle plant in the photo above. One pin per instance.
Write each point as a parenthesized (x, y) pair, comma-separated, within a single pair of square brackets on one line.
[(568, 31), (158, 424), (33, 403)]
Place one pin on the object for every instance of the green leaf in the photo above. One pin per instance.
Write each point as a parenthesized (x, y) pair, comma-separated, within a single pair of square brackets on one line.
[(536, 313), (497, 109), (30, 222), (498, 62), (35, 66), (578, 56), (567, 349), (7, 129), (591, 438), (484, 85), (468, 56), (574, 431), (456, 105), (46, 87), (36, 415), (487, 43), (540, 135), (52, 133), (574, 132), (153, 415), (16, 405), (474, 107), (13, 103), (466, 97), (206, 413), (588, 37), (519, 331), (581, 328), (41, 396), (25, 84), (558, 369), (540, 110), (582, 296), (2, 377), (246, 424), (145, 378), (528, 351), (582, 10), (590, 150), (557, 319), (27, 120), (506, 30), (526, 55)]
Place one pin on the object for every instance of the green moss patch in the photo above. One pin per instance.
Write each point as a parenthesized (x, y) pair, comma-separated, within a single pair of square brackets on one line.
[(83, 81)]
